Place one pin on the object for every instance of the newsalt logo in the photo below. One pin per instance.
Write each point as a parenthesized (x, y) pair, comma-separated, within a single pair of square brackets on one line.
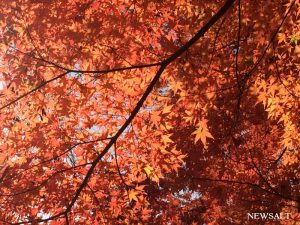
[(268, 216)]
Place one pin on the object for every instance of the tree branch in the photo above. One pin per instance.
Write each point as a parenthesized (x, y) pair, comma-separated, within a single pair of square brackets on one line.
[(34, 90), (243, 183)]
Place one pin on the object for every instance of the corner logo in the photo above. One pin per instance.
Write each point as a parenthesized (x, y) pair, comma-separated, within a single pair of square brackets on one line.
[(268, 216)]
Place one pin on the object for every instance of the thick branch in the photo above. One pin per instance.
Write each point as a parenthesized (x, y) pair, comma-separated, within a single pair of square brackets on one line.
[(140, 103)]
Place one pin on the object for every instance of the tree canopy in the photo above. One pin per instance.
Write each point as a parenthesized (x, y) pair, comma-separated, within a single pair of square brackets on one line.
[(149, 112)]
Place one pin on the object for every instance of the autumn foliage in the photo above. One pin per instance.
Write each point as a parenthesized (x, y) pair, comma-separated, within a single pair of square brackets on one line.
[(149, 112)]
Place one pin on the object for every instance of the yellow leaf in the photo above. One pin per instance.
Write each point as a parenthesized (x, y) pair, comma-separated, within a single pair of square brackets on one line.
[(167, 109), (132, 195), (152, 175), (166, 139), (148, 170), (202, 132), (155, 178)]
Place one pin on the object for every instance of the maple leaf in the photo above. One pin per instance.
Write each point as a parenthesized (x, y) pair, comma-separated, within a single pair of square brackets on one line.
[(166, 109), (166, 139), (150, 173), (202, 132), (148, 169), (132, 195)]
